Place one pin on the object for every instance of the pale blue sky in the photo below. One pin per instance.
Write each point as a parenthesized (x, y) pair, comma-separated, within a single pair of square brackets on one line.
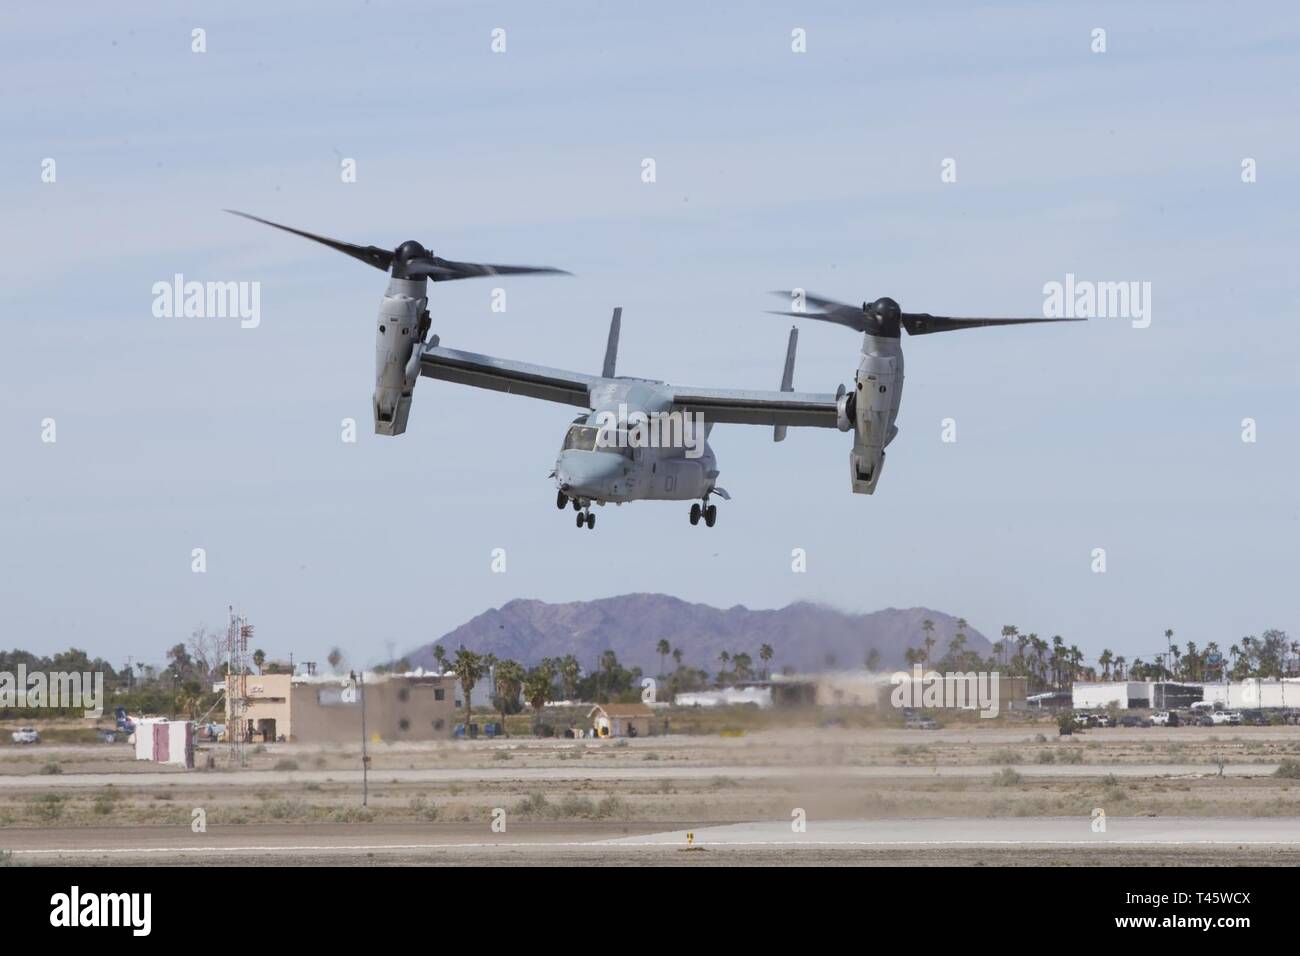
[(818, 170)]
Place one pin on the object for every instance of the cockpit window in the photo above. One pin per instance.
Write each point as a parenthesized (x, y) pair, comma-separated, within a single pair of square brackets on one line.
[(581, 438), (594, 438)]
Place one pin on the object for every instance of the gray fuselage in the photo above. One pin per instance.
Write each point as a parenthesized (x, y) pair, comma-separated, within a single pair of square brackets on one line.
[(633, 447)]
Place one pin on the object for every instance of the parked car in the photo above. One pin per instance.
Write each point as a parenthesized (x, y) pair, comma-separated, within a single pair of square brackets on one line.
[(1221, 717), (1102, 720), (1165, 718), (1082, 719), (1133, 720), (26, 735), (1205, 720), (921, 722)]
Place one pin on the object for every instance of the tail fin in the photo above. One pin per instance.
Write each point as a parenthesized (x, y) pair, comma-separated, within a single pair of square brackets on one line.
[(787, 379), (611, 347)]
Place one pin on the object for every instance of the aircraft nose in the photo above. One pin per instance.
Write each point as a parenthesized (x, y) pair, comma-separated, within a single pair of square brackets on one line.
[(587, 472)]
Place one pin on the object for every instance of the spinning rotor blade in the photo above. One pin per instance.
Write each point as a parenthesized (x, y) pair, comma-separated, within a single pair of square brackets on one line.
[(370, 255), (883, 316), (439, 269), (852, 316), (922, 323), (410, 260)]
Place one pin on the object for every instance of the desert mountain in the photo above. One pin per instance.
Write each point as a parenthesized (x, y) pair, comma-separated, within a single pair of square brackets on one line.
[(803, 635)]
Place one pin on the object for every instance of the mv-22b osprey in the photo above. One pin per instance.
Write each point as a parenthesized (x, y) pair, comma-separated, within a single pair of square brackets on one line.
[(597, 463)]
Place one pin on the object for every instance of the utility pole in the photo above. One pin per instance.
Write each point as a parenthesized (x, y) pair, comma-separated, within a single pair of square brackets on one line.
[(365, 757)]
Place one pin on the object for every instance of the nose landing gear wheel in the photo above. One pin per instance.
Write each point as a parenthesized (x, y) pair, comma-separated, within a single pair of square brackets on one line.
[(561, 499), (695, 513), (710, 515)]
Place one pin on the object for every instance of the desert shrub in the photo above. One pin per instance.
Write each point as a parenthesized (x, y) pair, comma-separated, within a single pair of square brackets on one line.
[(575, 806), (534, 804), (1288, 769), (351, 815), (48, 806), (611, 805), (424, 809)]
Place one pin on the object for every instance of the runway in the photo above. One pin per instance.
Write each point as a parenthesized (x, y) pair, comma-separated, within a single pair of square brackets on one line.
[(489, 775), (618, 841)]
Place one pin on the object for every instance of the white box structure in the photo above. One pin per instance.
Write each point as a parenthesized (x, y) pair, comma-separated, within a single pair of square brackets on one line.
[(164, 741)]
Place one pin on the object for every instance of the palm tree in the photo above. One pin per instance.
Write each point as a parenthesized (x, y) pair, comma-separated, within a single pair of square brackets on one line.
[(663, 648), (1076, 658), (469, 669), (1120, 661), (608, 664), (1040, 653), (927, 626), (873, 659), (335, 659), (1011, 633), (765, 654), (259, 659), (570, 670), (743, 664), (677, 656), (440, 656), (1104, 660), (1058, 651), (1173, 651), (537, 686), (724, 658), (509, 679)]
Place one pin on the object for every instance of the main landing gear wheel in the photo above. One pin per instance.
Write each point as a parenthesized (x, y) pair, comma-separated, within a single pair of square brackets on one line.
[(591, 521), (581, 519), (695, 513), (576, 506), (561, 499), (710, 515)]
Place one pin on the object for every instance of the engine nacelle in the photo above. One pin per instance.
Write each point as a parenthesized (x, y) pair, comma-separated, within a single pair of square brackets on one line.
[(872, 408), (400, 326)]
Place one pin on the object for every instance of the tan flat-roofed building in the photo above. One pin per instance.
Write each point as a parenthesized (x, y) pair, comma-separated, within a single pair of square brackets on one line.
[(314, 709)]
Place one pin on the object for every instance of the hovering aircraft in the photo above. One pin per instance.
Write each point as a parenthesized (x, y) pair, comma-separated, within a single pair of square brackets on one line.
[(616, 451)]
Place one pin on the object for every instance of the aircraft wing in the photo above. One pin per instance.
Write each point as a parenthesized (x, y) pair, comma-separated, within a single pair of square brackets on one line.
[(505, 375), (745, 407)]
